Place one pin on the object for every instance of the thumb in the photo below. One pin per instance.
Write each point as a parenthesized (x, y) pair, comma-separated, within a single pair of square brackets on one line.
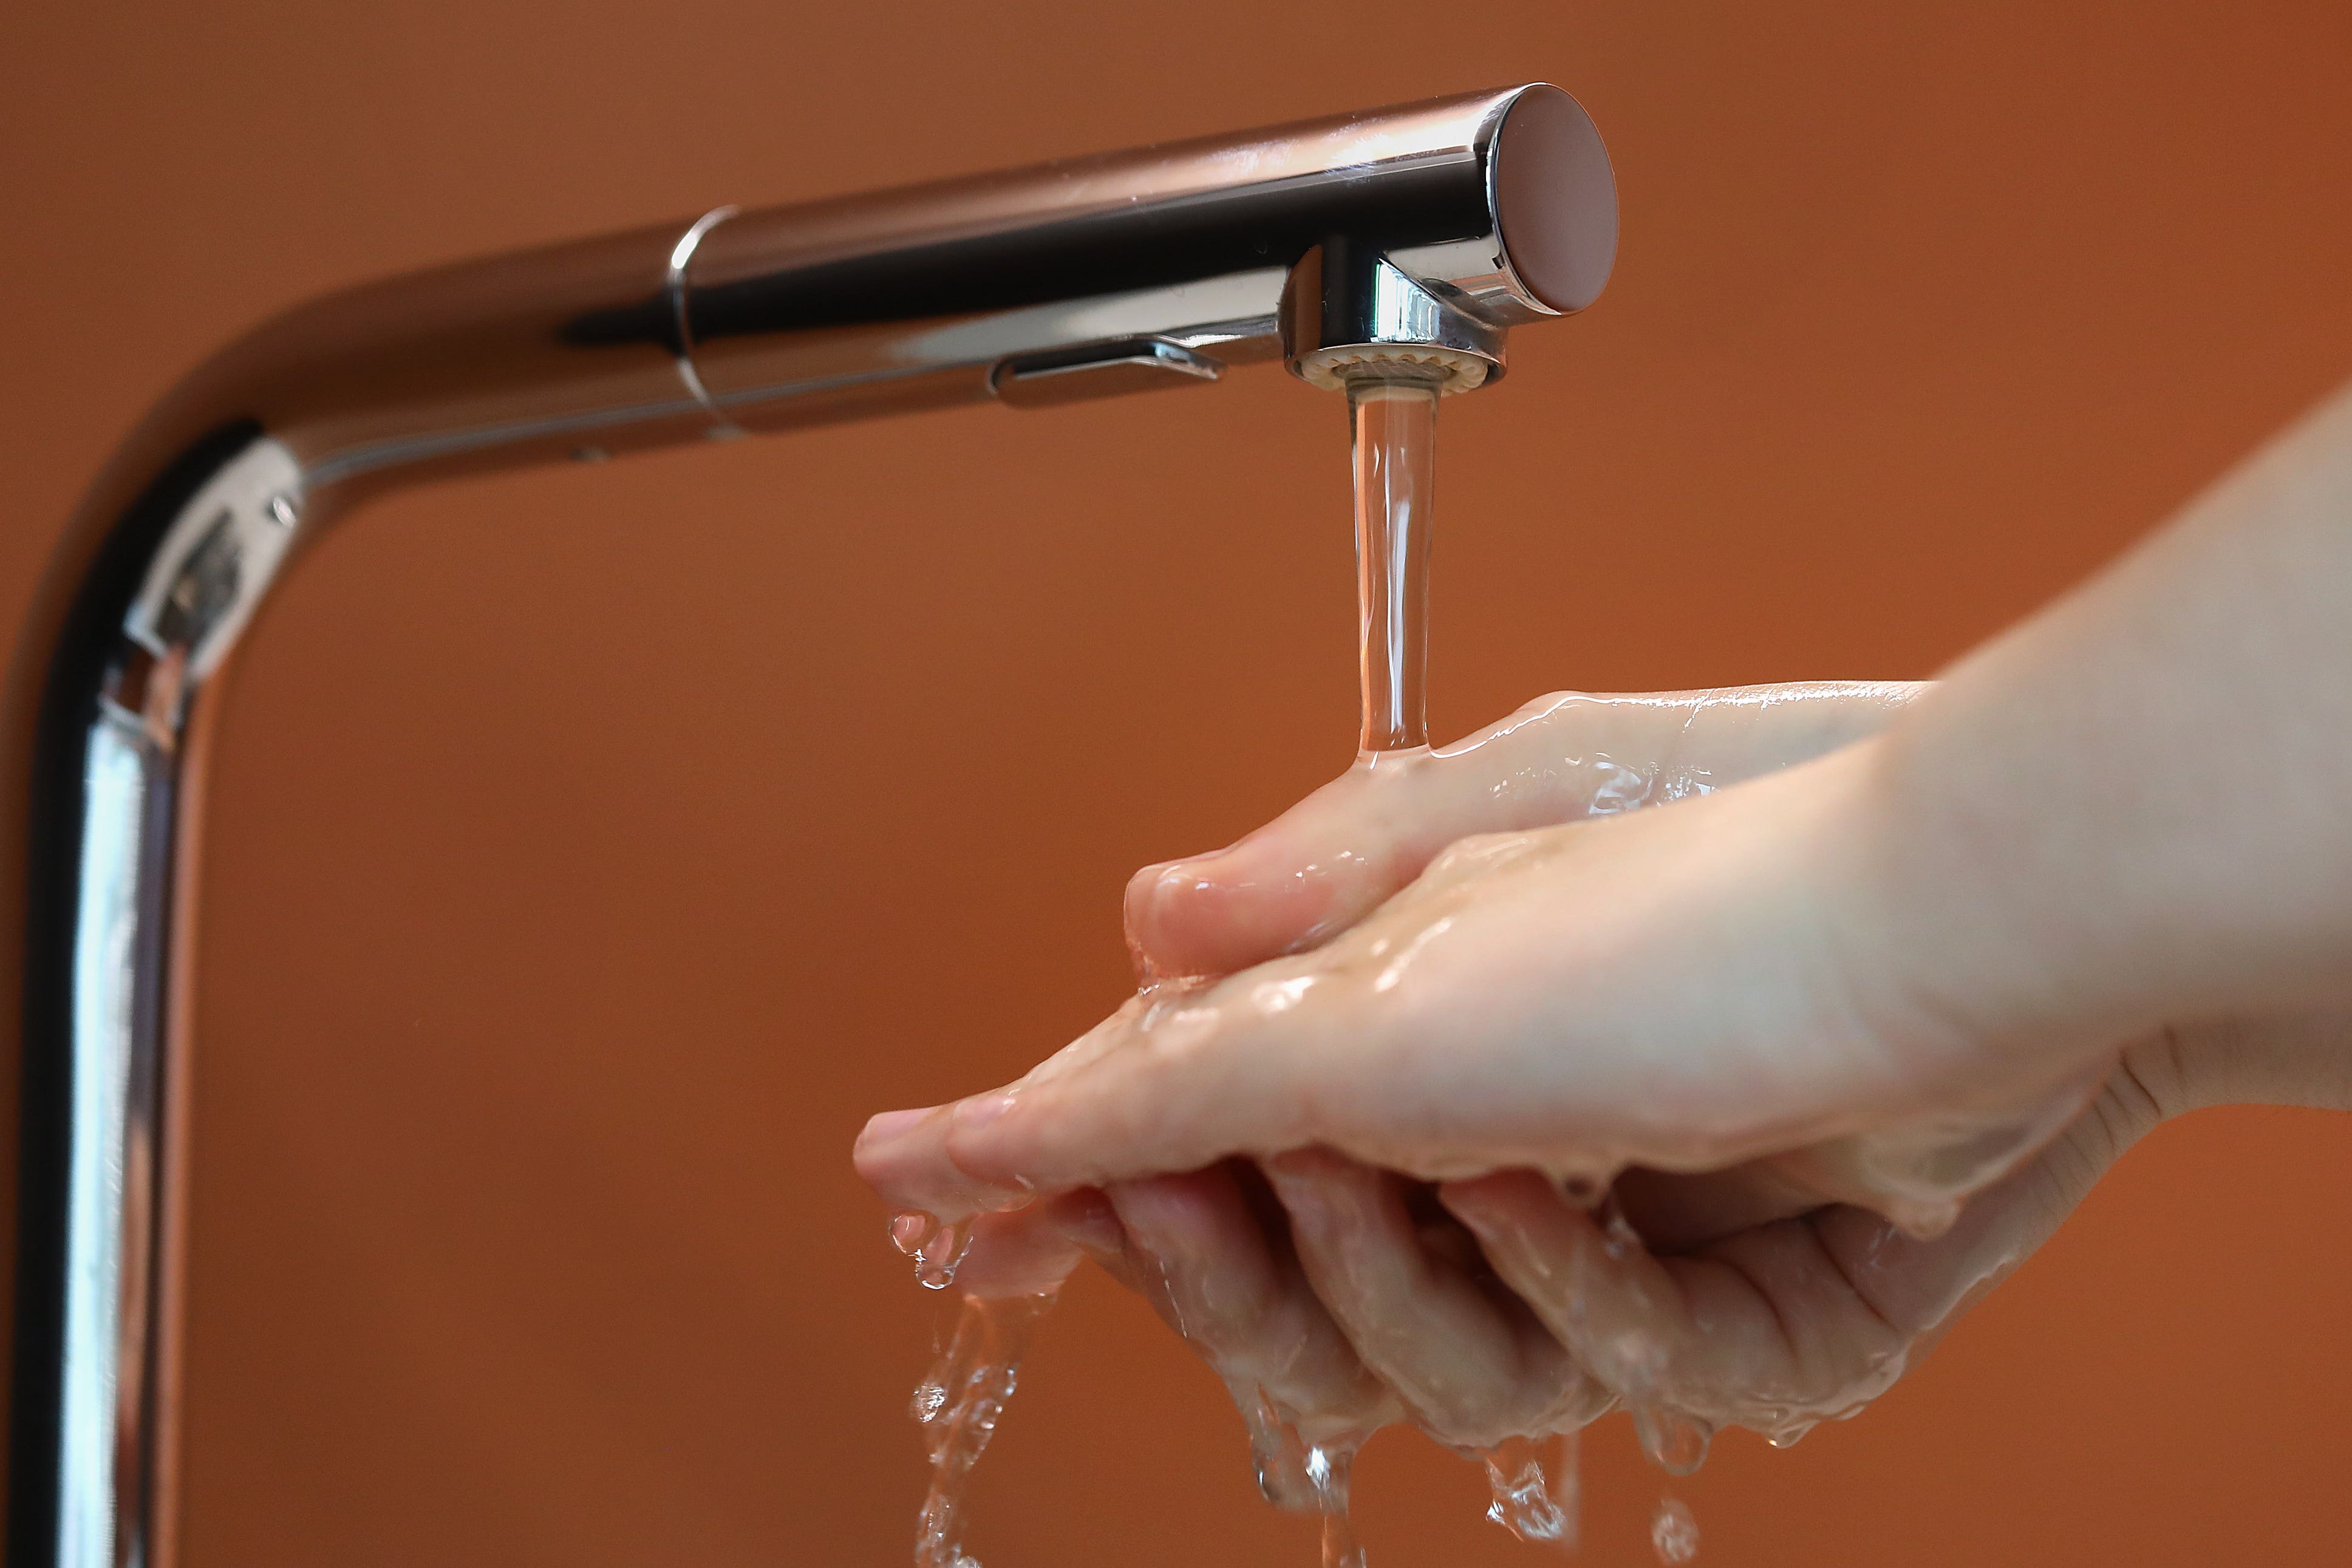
[(1340, 853)]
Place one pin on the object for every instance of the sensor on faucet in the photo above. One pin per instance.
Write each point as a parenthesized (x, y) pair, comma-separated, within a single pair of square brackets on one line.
[(1415, 236)]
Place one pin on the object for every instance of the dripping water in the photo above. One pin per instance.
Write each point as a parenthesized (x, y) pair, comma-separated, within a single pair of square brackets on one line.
[(937, 1249), (1538, 1508), (958, 1405), (1300, 1476), (1674, 1533)]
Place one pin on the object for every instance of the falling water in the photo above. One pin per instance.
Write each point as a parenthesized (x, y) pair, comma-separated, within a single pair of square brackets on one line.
[(1674, 1533), (1538, 1508), (958, 1405), (1393, 426)]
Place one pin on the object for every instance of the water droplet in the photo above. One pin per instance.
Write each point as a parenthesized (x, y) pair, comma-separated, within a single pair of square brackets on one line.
[(910, 1230), (1276, 1451), (1618, 1236), (1300, 1476), (936, 1249), (1640, 1358), (1675, 1443), (1536, 1509), (1674, 1533)]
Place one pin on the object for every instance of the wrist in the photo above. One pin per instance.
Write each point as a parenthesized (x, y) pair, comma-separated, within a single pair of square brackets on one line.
[(1978, 940), (2295, 1059)]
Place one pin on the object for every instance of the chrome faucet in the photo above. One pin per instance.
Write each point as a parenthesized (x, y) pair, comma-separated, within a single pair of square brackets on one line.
[(1419, 233)]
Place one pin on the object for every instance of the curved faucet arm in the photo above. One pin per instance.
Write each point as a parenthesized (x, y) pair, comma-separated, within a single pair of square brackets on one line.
[(1426, 230)]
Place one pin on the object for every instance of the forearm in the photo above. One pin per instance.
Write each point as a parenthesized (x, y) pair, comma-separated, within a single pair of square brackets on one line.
[(2131, 809)]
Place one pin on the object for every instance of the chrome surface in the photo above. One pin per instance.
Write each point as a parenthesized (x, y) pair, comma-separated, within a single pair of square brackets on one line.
[(1346, 304), (681, 257), (118, 1358), (1100, 370), (1388, 231)]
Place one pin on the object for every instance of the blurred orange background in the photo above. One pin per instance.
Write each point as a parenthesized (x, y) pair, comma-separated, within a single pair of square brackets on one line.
[(591, 851)]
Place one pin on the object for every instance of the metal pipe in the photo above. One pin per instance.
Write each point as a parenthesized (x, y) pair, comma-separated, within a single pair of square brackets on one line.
[(1429, 229)]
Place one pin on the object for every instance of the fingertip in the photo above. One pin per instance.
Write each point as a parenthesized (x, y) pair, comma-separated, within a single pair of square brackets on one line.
[(888, 1126), (890, 1144), (1301, 1169), (908, 1157), (1208, 916), (1475, 1200), (1215, 914), (1159, 953)]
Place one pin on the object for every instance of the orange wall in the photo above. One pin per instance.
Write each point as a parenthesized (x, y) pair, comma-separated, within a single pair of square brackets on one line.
[(591, 851)]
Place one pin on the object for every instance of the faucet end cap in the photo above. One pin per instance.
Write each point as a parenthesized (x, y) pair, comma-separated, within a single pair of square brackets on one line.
[(1554, 197)]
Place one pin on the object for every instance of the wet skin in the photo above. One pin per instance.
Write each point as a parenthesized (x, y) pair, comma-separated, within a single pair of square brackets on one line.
[(1844, 995)]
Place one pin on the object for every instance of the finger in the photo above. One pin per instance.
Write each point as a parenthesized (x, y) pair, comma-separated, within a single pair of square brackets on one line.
[(1470, 1363), (1665, 989), (1336, 856), (911, 1159), (1790, 1322), (1223, 1276), (1174, 1086), (1922, 1285), (904, 1156), (1916, 1171), (1763, 1329), (1673, 1211), (1031, 1251)]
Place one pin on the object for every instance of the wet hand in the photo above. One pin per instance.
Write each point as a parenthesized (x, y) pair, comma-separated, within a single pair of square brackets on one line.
[(1671, 989), (1366, 1286), (1343, 1296)]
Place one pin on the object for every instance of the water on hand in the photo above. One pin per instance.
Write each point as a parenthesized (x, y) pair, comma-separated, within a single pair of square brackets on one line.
[(936, 1249)]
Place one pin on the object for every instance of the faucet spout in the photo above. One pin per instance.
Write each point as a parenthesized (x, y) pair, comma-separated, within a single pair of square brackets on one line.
[(1424, 232), (1347, 306)]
